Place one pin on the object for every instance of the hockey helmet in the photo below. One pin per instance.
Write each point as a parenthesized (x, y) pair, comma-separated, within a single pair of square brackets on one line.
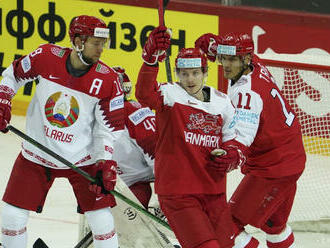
[(236, 44), (88, 26), (191, 58)]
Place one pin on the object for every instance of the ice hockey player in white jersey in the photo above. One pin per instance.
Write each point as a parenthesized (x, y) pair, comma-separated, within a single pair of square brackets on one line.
[(135, 150), (77, 112)]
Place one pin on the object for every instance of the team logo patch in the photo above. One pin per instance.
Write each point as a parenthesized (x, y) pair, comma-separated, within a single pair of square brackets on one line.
[(59, 52), (205, 122), (61, 110), (102, 69)]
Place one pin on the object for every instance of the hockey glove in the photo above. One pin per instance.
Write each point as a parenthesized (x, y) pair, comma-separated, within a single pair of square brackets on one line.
[(106, 176), (5, 111), (208, 43), (229, 157), (155, 47), (124, 79)]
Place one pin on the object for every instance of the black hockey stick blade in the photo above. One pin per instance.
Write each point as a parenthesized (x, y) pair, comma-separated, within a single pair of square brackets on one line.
[(40, 244), (85, 241)]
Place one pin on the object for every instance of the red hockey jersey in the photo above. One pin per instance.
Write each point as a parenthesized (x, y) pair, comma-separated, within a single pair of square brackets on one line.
[(187, 131), (135, 150), (265, 121)]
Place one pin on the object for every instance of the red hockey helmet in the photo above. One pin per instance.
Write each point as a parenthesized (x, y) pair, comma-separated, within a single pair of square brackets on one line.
[(236, 44), (88, 26), (191, 58)]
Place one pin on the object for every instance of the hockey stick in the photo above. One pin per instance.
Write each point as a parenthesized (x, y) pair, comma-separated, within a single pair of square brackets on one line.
[(85, 241), (161, 11), (130, 222), (86, 175)]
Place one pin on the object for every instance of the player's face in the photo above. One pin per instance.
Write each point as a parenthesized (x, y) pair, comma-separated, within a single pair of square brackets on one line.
[(232, 66), (93, 49), (192, 80)]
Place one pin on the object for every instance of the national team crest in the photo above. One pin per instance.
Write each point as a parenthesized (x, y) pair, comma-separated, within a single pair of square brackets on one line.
[(61, 109), (205, 122)]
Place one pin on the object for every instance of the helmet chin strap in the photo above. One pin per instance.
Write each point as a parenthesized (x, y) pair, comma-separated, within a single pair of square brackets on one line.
[(80, 55)]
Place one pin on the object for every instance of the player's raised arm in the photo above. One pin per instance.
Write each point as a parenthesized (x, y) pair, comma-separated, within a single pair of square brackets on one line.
[(154, 51)]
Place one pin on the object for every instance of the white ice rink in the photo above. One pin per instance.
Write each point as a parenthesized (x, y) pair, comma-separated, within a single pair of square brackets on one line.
[(58, 224)]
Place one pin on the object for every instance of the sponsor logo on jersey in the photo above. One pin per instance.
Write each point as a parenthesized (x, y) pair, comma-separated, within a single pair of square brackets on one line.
[(245, 116), (59, 52), (117, 103), (61, 110), (139, 115), (202, 139), (102, 69), (205, 122), (26, 64)]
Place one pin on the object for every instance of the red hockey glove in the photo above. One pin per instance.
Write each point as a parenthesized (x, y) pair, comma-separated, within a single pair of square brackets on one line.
[(155, 47), (208, 43), (229, 157), (124, 79), (5, 111), (106, 175)]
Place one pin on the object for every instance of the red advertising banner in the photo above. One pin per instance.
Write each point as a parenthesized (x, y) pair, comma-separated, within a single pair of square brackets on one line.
[(281, 32)]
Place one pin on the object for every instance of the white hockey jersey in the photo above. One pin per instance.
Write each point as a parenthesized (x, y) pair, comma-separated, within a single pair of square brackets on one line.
[(78, 118)]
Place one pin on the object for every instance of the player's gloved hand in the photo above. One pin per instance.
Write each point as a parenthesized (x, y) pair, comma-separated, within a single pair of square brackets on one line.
[(208, 43), (106, 176), (5, 111), (229, 157), (125, 81), (119, 69), (155, 47)]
